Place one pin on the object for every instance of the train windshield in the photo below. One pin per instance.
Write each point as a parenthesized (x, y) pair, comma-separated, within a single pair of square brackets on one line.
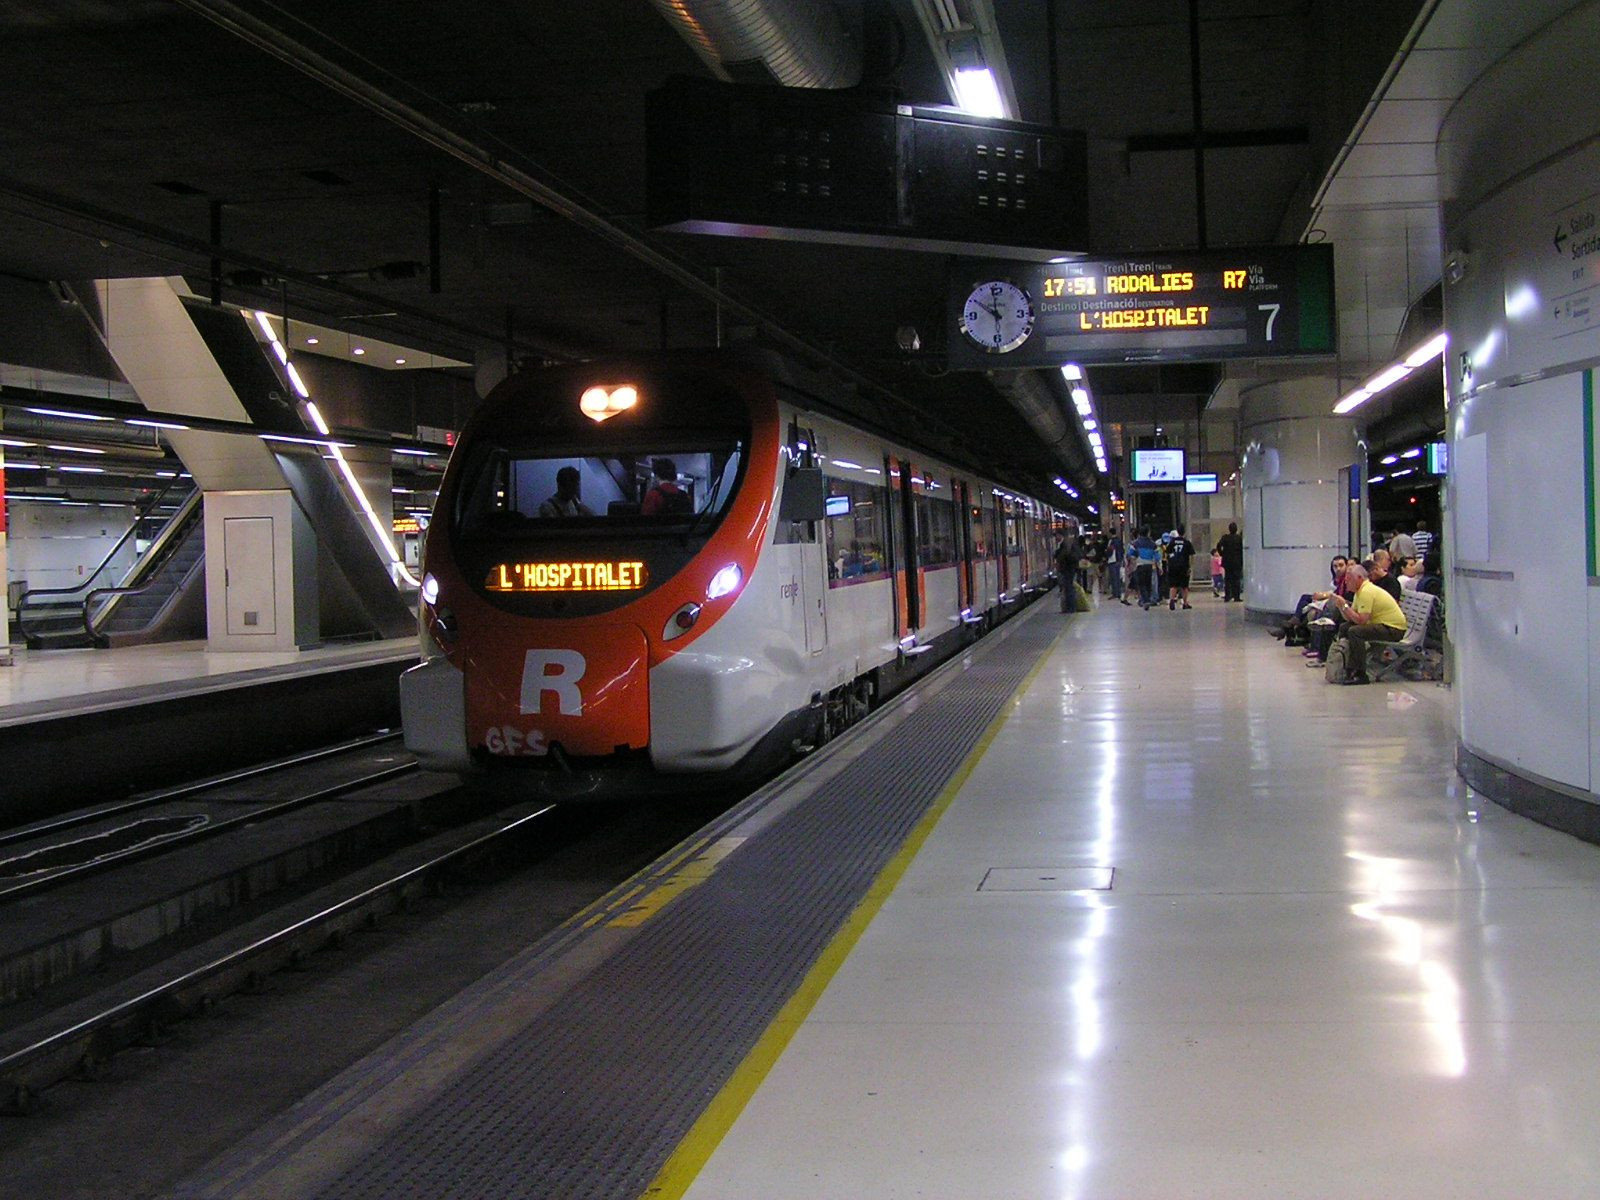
[(506, 493)]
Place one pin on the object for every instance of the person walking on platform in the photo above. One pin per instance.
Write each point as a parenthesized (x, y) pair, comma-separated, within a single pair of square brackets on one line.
[(1143, 553), (1114, 565), (1067, 572), (1180, 562), (1216, 573), (1231, 546)]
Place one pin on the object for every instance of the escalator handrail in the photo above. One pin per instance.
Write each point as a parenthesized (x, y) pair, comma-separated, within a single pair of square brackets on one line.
[(163, 545)]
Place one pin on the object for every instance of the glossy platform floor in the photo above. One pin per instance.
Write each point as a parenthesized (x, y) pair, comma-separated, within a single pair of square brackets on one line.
[(56, 682), (1324, 969)]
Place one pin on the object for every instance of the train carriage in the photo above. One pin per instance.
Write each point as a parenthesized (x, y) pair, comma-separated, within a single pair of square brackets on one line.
[(687, 564)]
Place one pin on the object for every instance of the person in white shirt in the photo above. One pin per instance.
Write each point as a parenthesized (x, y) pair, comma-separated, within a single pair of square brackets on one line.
[(1402, 546)]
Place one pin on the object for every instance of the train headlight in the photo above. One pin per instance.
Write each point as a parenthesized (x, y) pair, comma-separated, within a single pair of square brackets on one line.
[(680, 622), (724, 581), (430, 590)]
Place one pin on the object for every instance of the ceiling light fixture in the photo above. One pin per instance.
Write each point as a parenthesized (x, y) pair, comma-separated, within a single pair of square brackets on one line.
[(71, 416), (977, 92), (1392, 374)]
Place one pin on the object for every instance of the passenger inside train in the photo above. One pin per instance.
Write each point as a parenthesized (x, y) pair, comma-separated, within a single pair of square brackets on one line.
[(510, 492)]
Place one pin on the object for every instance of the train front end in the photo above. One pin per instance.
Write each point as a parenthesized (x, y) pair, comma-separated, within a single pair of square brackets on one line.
[(593, 522)]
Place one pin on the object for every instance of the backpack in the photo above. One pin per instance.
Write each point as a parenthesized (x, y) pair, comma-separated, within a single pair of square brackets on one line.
[(1337, 670)]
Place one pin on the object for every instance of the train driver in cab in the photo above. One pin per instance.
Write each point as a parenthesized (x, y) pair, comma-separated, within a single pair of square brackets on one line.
[(565, 502)]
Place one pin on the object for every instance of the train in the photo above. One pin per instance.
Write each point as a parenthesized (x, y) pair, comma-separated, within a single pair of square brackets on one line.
[(686, 565)]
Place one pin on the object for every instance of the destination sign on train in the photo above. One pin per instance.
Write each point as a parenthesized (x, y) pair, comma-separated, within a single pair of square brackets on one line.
[(1160, 306), (567, 577)]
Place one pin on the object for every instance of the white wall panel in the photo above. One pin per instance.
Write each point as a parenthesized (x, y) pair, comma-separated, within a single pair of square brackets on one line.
[(1524, 641)]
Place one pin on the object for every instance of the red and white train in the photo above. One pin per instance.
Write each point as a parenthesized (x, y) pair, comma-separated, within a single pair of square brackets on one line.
[(683, 564)]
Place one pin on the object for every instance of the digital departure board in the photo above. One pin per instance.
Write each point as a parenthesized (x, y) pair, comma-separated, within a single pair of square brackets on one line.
[(1162, 306), (566, 577)]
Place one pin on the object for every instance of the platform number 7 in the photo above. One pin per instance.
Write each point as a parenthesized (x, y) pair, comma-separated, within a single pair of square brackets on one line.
[(1272, 315)]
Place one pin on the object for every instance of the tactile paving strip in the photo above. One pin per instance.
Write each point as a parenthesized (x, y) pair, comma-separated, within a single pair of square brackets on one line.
[(591, 1098)]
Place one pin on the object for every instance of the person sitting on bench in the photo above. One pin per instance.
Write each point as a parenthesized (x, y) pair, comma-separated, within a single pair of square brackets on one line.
[(1373, 616)]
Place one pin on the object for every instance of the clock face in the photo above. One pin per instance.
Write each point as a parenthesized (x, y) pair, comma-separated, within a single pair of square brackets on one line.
[(997, 316)]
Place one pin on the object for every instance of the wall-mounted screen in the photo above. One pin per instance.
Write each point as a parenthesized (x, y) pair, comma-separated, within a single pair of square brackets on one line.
[(1438, 458), (838, 506), (1158, 466), (1199, 485)]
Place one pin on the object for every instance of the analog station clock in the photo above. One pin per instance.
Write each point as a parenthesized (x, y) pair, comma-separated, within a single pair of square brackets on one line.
[(997, 316)]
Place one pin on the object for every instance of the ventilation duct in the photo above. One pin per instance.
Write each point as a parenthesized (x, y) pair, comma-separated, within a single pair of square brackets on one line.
[(797, 43), (1036, 401)]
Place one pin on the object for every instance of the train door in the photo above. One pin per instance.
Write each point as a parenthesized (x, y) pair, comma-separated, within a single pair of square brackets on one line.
[(903, 543), (813, 554), (962, 499), (814, 593), (1007, 535)]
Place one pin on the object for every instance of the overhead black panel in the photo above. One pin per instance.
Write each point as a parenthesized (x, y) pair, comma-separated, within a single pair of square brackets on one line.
[(856, 168)]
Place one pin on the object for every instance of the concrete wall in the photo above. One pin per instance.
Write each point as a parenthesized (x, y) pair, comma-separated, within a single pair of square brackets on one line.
[(1520, 175)]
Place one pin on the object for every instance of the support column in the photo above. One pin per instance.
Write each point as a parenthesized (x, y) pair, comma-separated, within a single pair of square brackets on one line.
[(1300, 504)]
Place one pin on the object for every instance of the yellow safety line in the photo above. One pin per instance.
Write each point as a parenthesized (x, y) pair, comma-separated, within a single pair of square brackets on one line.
[(697, 1146)]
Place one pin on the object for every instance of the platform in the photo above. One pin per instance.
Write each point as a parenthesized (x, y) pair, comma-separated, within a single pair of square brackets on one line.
[(80, 726), (1124, 905)]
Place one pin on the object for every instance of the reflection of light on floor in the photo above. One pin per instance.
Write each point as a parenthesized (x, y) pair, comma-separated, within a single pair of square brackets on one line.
[(1438, 995), (1083, 990)]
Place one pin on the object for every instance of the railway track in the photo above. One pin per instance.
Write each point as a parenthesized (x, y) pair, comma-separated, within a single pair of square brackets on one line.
[(39, 858)]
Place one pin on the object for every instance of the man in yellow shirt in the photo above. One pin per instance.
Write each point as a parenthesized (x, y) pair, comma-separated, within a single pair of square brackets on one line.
[(1373, 616)]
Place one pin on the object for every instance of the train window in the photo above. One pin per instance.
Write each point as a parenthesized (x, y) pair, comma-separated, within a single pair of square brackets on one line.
[(855, 538), (524, 495), (982, 532), (936, 531)]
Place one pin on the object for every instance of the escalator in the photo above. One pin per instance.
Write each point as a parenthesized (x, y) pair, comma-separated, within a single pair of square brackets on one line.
[(160, 598), (168, 600)]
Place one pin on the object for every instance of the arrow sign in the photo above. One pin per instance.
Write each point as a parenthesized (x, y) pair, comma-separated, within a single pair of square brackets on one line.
[(1559, 239)]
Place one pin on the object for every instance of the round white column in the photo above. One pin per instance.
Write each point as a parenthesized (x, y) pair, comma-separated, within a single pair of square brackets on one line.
[(1518, 164), (1297, 499)]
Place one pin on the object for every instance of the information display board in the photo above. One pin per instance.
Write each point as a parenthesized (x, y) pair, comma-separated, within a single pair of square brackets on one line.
[(1162, 306), (1158, 466), (1199, 485)]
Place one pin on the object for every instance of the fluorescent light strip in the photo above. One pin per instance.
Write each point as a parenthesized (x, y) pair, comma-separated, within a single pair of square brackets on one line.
[(15, 442), (384, 533), (1393, 374), (154, 424), (75, 449), (71, 416)]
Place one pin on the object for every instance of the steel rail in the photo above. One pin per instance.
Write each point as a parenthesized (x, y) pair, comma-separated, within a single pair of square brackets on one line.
[(89, 817), (151, 849), (126, 1009)]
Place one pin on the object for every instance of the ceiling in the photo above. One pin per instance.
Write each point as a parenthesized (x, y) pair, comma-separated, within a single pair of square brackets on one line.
[(128, 119)]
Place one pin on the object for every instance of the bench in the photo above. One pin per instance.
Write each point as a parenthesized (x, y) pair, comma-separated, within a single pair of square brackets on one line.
[(1388, 659)]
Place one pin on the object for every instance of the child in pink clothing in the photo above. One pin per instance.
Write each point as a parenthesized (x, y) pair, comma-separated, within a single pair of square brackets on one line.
[(1216, 572)]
